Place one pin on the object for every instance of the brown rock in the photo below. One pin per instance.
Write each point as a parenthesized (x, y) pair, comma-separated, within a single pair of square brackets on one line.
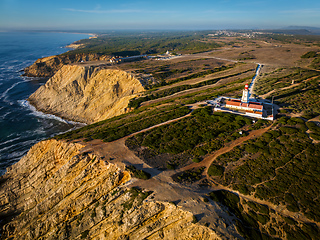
[(57, 192), (48, 66), (86, 94)]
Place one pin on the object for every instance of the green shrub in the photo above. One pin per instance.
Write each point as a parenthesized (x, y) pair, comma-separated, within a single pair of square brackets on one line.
[(138, 173), (309, 115), (215, 170), (315, 136), (311, 54), (205, 199), (313, 127), (84, 234), (171, 166), (283, 120), (289, 130), (297, 120), (196, 160), (263, 219), (251, 148), (241, 188)]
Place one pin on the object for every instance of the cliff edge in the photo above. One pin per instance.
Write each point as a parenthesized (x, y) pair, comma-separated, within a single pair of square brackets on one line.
[(59, 191), (86, 93), (48, 66)]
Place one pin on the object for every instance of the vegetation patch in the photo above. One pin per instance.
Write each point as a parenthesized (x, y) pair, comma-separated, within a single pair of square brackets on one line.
[(215, 170), (138, 173), (256, 221), (311, 54), (191, 137), (189, 176), (145, 43), (137, 195), (279, 167), (135, 103), (115, 128)]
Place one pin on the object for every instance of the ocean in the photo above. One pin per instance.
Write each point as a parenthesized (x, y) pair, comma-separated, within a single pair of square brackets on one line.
[(21, 126)]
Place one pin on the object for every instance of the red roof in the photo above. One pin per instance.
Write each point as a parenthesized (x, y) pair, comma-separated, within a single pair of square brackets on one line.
[(234, 103), (251, 105), (256, 103), (256, 106)]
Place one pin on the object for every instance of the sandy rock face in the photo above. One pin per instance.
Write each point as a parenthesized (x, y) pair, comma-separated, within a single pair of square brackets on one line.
[(86, 94), (58, 192), (48, 66)]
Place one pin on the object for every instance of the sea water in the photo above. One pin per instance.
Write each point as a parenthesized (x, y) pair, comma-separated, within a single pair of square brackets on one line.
[(21, 126)]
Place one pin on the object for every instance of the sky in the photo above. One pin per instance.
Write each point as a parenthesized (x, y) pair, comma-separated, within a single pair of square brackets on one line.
[(157, 15)]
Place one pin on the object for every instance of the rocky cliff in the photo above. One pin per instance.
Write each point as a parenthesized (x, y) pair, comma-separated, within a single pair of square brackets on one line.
[(86, 94), (58, 191), (48, 66)]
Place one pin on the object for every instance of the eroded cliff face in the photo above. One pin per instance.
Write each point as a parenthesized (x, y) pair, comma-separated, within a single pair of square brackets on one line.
[(86, 94), (48, 66), (58, 192)]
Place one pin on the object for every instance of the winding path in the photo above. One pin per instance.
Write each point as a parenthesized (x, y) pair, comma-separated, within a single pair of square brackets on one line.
[(206, 162)]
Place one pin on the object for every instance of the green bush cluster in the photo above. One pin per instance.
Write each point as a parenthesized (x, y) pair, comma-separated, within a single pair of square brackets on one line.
[(283, 163), (311, 54), (302, 98), (215, 170), (138, 173), (267, 84), (135, 103), (189, 175), (199, 134), (145, 43), (112, 130), (257, 222)]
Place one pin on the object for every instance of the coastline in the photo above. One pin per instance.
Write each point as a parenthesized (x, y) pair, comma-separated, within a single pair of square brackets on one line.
[(30, 106), (22, 124)]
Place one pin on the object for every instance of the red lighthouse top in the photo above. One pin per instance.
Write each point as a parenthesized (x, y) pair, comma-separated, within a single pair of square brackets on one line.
[(246, 86)]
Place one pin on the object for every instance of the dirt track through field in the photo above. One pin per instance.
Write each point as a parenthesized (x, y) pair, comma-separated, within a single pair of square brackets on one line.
[(212, 157)]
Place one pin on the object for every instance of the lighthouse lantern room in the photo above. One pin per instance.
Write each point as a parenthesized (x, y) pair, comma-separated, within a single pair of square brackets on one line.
[(245, 94)]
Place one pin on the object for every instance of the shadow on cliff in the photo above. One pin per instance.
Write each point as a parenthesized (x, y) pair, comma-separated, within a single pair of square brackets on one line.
[(5, 215), (152, 171)]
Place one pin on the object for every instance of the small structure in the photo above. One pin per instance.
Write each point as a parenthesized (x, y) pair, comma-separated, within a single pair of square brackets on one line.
[(250, 107), (244, 106), (245, 94), (115, 60)]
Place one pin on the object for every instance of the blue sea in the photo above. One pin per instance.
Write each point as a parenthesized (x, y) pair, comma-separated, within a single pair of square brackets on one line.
[(21, 126)]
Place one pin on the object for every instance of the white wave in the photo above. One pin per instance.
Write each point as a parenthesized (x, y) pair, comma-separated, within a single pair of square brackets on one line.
[(10, 141), (19, 149), (35, 112), (35, 132), (17, 155), (6, 148), (4, 115), (4, 94), (71, 129)]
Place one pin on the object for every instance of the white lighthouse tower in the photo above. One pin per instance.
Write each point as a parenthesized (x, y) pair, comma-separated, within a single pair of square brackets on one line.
[(245, 94)]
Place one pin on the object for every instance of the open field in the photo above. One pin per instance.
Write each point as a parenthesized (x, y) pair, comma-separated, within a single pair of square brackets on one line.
[(264, 182)]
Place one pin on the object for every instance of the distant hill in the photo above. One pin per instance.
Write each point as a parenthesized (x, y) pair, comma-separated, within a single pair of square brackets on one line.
[(298, 30)]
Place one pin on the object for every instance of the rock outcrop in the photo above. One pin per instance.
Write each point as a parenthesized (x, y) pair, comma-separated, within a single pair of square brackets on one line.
[(86, 94), (48, 66), (58, 192)]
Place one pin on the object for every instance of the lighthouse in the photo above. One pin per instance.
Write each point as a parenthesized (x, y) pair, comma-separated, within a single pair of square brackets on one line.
[(245, 94)]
